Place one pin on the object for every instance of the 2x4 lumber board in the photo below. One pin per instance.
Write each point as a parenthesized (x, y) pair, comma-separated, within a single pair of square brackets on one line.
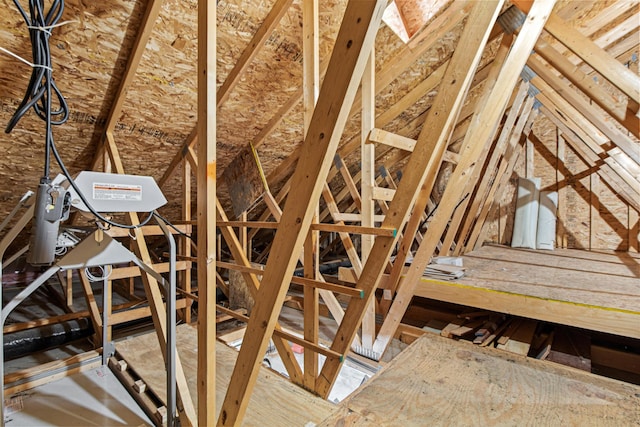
[(96, 319), (586, 84), (310, 59), (548, 82), (477, 192), (443, 24), (604, 319), (206, 185), (594, 210), (425, 159), (127, 272), (185, 242), (633, 221), (338, 228), (391, 139), (425, 193), (353, 217), (381, 193), (250, 276), (561, 153), (330, 300), (353, 44), (138, 313), (492, 178), (481, 132), (620, 76), (147, 230), (318, 284), (154, 296), (367, 184), (146, 28)]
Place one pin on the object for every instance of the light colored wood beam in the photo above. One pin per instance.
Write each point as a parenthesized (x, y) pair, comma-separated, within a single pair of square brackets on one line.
[(481, 132), (425, 159), (551, 82), (206, 187), (620, 76), (353, 44)]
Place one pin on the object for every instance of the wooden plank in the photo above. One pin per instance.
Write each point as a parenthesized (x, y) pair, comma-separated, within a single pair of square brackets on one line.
[(352, 217), (250, 277), (353, 44), (585, 83), (621, 77), (550, 82), (594, 211), (367, 184), (127, 272), (425, 159), (184, 280), (338, 228), (561, 149), (381, 193), (520, 338), (391, 139), (206, 185), (481, 133)]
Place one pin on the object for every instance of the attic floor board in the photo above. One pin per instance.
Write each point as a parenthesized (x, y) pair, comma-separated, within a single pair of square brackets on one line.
[(437, 381), (587, 289), (275, 401)]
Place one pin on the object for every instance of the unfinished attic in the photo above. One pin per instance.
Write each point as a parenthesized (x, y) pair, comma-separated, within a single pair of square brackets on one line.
[(320, 213)]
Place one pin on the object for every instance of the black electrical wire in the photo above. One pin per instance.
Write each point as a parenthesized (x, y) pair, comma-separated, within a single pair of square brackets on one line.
[(41, 85), (177, 230), (41, 88)]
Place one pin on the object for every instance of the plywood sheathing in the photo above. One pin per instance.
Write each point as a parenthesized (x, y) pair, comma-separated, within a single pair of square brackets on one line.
[(90, 55)]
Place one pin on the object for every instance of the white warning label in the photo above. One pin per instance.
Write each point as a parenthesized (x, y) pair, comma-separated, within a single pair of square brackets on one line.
[(117, 192)]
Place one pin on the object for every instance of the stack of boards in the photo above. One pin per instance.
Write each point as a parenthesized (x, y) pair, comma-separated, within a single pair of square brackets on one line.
[(445, 268)]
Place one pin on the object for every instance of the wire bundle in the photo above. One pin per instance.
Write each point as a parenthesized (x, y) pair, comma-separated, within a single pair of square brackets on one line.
[(41, 87)]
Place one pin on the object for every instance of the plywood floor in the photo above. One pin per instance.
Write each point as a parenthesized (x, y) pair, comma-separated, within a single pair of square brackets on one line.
[(592, 290), (275, 401), (437, 381)]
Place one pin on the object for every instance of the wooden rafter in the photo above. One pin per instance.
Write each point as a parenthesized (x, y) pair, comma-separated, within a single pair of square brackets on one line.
[(480, 133), (425, 159), (353, 44)]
